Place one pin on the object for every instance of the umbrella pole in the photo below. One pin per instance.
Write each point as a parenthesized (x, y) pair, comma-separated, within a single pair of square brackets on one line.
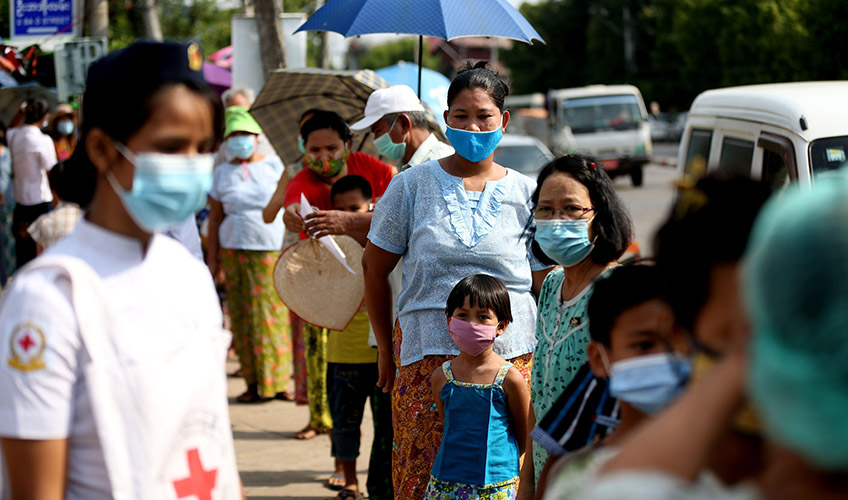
[(420, 61)]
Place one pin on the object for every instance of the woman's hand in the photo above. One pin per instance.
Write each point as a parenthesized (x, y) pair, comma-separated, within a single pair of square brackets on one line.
[(387, 369), (292, 219), (324, 223)]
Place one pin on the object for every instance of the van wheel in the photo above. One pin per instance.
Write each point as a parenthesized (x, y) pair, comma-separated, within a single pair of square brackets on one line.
[(636, 175)]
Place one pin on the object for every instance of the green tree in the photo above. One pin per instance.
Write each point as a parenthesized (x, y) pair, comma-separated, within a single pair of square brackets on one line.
[(391, 53), (200, 20)]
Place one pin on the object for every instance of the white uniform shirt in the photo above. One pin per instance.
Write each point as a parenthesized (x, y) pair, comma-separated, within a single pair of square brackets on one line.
[(162, 294), (33, 155)]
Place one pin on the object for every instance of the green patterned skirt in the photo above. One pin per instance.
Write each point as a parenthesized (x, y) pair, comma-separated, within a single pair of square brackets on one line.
[(259, 320)]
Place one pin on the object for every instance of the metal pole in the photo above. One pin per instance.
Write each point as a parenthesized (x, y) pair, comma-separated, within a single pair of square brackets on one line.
[(420, 61)]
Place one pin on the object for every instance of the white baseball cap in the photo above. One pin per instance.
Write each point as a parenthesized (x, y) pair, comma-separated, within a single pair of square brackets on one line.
[(381, 102)]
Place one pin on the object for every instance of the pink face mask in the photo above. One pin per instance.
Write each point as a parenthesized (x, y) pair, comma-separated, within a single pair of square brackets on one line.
[(472, 338)]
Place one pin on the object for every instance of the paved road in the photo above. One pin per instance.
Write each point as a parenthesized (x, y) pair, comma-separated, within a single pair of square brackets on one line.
[(274, 465), (650, 203)]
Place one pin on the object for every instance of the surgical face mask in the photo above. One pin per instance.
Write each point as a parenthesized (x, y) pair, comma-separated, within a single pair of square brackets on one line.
[(328, 168), (472, 338), (389, 148), (242, 146), (475, 146), (166, 189), (301, 145), (565, 241), (65, 127), (650, 383)]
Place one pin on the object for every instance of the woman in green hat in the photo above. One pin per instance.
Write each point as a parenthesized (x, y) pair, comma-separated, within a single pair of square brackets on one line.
[(243, 250)]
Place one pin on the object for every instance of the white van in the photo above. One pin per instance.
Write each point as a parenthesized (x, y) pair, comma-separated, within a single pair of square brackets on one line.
[(781, 133), (607, 122)]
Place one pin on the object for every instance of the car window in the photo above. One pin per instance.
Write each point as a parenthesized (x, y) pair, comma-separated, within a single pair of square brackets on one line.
[(527, 159), (699, 147), (828, 154), (736, 155), (775, 171)]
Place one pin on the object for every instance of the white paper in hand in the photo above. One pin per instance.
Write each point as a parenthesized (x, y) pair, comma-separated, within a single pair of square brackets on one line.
[(328, 241)]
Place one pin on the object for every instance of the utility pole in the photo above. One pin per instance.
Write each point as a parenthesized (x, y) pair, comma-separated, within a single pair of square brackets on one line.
[(271, 43), (150, 18), (98, 18)]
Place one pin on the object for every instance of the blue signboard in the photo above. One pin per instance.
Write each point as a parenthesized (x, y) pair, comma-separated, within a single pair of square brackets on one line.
[(40, 18)]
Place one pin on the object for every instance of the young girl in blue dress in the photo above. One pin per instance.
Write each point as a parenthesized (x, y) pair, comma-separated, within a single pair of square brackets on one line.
[(482, 399)]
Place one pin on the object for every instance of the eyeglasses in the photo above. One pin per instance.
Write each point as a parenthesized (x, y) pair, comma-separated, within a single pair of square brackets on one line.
[(567, 212)]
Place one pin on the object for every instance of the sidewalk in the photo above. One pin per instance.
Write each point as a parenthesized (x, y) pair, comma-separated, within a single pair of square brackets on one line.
[(275, 465)]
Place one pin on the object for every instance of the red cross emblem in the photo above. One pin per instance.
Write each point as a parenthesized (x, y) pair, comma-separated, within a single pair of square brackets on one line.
[(199, 482), (26, 343)]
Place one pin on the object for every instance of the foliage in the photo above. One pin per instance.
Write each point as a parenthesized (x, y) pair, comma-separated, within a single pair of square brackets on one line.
[(682, 47), (391, 53), (200, 20)]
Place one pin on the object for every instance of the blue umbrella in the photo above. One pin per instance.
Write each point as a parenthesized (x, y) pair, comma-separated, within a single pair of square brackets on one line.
[(434, 85), (447, 19)]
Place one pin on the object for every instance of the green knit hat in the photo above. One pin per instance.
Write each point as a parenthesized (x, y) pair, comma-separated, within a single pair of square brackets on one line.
[(238, 119)]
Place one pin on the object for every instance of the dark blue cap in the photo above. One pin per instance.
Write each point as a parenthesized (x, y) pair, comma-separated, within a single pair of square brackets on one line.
[(145, 64)]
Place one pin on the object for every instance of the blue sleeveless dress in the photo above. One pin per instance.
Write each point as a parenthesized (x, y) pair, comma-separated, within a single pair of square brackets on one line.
[(478, 457)]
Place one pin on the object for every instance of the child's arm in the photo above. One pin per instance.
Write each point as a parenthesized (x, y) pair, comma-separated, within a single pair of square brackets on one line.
[(518, 399), (437, 380)]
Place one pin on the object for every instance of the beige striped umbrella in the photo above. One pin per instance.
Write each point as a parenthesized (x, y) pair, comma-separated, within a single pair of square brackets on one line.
[(288, 93)]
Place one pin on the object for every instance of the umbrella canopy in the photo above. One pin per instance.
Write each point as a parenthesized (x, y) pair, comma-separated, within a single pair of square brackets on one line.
[(288, 93), (434, 85), (446, 19), (11, 99), (217, 77)]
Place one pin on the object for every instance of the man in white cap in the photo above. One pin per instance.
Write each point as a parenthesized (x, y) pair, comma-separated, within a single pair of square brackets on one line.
[(401, 131)]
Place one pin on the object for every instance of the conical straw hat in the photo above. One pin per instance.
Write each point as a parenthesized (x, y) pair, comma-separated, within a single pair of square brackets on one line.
[(315, 286)]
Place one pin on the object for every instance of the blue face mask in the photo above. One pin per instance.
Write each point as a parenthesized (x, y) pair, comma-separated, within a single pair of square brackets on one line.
[(242, 146), (65, 127), (474, 146), (389, 148), (650, 383), (565, 241), (166, 189), (301, 145)]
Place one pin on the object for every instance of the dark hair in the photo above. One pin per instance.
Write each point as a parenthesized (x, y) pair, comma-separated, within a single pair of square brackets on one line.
[(35, 109), (326, 119), (483, 291), (622, 288), (479, 76), (98, 112), (351, 183), (417, 118), (58, 179), (708, 225), (611, 225)]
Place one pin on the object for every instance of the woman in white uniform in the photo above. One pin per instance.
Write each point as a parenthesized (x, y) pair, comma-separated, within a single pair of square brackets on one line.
[(112, 381)]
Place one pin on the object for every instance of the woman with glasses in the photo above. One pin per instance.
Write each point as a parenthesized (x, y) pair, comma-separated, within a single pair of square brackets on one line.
[(583, 226)]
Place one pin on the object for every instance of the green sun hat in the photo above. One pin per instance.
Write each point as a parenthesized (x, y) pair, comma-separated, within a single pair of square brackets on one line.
[(238, 119)]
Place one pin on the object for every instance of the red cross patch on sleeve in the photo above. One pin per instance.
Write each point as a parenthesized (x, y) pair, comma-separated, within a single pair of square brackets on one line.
[(26, 349)]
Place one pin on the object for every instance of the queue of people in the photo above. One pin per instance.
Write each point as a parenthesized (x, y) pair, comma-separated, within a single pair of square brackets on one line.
[(518, 357)]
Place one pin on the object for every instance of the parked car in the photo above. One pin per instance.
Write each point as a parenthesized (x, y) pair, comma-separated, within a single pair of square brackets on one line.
[(523, 153), (781, 133)]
